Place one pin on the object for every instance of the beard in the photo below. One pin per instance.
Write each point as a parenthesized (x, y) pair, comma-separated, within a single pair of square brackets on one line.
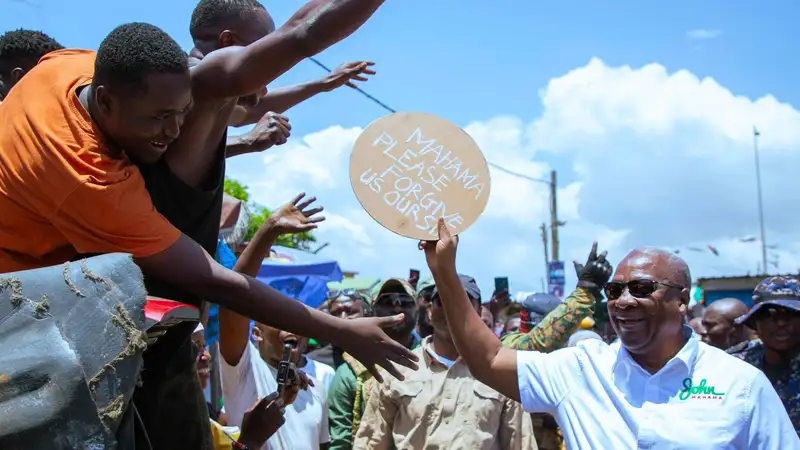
[(404, 328)]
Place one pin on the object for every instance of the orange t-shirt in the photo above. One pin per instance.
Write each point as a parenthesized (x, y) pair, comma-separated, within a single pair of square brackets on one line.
[(61, 193)]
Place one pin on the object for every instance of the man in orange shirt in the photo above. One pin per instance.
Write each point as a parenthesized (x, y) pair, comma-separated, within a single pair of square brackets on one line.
[(68, 133)]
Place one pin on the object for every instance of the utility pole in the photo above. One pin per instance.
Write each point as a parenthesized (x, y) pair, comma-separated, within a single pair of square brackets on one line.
[(756, 134), (546, 256), (554, 223)]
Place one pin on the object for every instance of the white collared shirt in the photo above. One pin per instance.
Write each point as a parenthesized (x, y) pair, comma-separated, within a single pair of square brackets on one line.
[(602, 399)]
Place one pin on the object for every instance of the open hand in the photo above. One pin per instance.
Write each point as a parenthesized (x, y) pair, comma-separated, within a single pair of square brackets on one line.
[(441, 254), (346, 74), (261, 421), (365, 340), (296, 216), (272, 129), (595, 273)]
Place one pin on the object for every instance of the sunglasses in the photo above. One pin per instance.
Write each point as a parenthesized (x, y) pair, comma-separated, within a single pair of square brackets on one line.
[(394, 299), (637, 288), (350, 293)]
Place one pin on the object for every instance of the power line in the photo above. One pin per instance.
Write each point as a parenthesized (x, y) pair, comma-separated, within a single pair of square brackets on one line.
[(392, 110)]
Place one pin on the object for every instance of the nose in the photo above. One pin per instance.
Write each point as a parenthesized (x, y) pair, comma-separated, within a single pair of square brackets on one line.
[(172, 126), (626, 300)]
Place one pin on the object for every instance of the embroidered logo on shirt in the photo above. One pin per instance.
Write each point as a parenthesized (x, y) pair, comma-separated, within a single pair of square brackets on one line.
[(701, 391)]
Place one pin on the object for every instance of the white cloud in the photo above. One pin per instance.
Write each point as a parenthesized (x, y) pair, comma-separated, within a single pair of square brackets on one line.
[(652, 158), (703, 34)]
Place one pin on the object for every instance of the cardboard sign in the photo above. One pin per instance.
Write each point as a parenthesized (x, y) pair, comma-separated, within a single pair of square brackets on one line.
[(408, 169)]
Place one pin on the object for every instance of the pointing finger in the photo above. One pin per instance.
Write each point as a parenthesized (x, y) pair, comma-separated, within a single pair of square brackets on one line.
[(593, 252)]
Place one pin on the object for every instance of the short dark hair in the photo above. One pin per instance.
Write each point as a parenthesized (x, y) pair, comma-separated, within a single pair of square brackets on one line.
[(134, 50), (211, 17), (21, 46)]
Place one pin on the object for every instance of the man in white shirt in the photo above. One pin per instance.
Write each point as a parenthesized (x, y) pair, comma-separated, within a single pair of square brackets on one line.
[(254, 376), (656, 389)]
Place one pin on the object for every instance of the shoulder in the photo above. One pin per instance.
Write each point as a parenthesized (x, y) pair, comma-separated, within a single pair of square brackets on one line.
[(81, 58)]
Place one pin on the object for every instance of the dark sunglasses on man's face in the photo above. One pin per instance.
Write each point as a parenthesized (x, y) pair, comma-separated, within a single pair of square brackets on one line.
[(637, 288), (394, 299)]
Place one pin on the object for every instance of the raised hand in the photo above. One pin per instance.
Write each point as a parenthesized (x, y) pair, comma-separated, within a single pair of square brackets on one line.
[(296, 216), (261, 421), (595, 273), (365, 340), (441, 254), (272, 129), (346, 74)]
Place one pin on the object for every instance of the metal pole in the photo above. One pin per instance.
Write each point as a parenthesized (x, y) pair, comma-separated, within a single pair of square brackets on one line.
[(756, 134), (553, 215), (546, 256)]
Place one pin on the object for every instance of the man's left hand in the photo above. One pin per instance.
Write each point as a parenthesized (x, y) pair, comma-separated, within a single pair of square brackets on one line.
[(346, 74)]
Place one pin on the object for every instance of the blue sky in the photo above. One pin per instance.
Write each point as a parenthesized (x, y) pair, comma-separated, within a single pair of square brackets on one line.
[(651, 139)]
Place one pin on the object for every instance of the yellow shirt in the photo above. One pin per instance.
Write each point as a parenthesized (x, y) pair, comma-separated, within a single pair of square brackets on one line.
[(220, 436)]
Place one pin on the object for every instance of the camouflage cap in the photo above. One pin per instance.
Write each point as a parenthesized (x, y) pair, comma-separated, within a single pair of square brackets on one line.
[(778, 291), (393, 285), (425, 283)]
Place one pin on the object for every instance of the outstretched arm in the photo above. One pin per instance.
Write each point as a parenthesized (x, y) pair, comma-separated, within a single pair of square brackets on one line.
[(487, 360), (239, 71), (281, 99)]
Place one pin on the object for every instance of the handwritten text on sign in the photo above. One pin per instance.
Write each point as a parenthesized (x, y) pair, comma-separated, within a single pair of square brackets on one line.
[(418, 171)]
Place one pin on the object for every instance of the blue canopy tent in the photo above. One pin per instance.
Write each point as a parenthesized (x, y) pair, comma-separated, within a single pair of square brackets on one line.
[(300, 275)]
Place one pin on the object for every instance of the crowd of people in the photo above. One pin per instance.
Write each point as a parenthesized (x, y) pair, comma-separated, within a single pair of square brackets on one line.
[(123, 150)]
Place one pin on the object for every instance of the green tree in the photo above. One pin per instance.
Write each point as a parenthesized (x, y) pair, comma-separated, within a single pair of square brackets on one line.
[(259, 214)]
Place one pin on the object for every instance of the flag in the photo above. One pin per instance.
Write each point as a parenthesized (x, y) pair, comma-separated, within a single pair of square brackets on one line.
[(713, 250), (756, 132)]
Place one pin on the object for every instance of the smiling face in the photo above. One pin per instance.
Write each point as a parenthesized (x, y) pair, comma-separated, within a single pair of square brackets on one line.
[(778, 327), (143, 122), (202, 357), (647, 304)]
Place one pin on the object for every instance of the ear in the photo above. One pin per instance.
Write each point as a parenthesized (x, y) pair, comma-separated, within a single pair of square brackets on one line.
[(684, 306), (104, 99), (16, 74), (257, 336), (226, 39)]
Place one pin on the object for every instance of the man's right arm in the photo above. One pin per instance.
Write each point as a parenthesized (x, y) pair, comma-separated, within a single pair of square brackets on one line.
[(238, 71), (186, 265), (120, 217)]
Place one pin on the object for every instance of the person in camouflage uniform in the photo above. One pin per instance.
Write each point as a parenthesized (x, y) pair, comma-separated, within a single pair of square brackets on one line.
[(775, 315), (552, 331), (346, 399)]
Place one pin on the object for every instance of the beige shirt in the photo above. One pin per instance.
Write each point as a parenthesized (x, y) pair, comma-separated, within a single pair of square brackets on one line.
[(438, 407)]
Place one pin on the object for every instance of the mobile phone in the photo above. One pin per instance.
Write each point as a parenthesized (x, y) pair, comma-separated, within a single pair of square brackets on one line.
[(413, 277), (501, 284), (286, 371)]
